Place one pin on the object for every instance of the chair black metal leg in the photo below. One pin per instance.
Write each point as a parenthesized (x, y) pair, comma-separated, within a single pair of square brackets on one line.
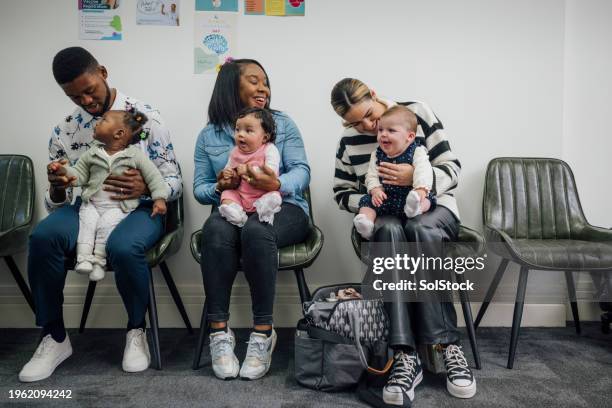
[(302, 286), (23, 286), (571, 289), (491, 291), (202, 336), (518, 313), (154, 322), (91, 288), (175, 295), (469, 323)]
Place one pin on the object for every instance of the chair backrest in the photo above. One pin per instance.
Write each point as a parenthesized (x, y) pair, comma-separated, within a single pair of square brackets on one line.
[(532, 198), (16, 191)]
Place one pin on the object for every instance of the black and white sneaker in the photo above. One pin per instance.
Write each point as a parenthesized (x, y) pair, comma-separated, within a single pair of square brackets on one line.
[(460, 381), (406, 374)]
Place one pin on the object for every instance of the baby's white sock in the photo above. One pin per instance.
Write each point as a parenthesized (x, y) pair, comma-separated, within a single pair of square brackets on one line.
[(267, 205), (234, 214), (413, 204), (84, 259), (364, 226), (99, 265)]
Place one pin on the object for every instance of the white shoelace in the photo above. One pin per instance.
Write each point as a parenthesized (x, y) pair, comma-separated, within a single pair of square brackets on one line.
[(221, 345), (256, 348), (456, 364), (135, 337), (45, 345), (404, 369)]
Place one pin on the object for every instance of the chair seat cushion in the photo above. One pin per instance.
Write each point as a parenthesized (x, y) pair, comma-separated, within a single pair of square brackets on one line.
[(565, 254), (293, 256)]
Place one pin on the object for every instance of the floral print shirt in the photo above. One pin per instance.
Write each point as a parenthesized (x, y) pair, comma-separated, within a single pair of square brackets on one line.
[(74, 135)]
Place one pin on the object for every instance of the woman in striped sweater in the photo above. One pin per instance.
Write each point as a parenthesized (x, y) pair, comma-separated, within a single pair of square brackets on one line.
[(412, 323)]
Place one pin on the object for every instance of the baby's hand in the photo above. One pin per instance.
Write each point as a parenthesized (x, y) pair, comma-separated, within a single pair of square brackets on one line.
[(242, 169), (57, 174), (159, 207), (378, 196), (228, 173)]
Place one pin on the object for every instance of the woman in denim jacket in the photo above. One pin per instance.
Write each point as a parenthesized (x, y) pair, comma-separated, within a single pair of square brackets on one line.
[(240, 84)]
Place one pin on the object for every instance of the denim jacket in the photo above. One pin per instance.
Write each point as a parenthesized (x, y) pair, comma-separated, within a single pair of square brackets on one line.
[(212, 152)]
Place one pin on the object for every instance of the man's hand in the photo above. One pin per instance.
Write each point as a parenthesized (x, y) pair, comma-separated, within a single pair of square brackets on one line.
[(159, 207), (396, 174), (227, 180), (264, 179), (58, 180), (129, 186), (378, 196)]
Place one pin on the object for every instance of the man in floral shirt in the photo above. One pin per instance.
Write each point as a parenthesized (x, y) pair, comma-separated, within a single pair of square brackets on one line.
[(83, 80)]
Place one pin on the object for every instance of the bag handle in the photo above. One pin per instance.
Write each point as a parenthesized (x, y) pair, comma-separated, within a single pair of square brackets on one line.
[(355, 322)]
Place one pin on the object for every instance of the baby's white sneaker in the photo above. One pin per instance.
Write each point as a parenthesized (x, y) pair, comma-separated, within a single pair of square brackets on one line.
[(267, 205), (364, 226), (234, 214), (412, 208)]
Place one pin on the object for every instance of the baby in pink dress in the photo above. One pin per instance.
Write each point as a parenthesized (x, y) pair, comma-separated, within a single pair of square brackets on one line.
[(254, 135)]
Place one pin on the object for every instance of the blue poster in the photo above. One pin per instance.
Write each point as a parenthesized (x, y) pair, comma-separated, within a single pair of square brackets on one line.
[(216, 5)]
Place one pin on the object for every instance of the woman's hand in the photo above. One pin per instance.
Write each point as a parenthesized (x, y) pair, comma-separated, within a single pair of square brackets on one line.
[(129, 186), (227, 180), (264, 179), (396, 174)]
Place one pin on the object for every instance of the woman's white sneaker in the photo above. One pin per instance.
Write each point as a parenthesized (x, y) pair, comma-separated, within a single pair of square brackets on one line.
[(46, 358), (224, 362), (259, 356), (406, 374), (136, 356), (460, 381)]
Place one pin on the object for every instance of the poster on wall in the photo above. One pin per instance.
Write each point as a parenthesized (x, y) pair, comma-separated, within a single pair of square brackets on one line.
[(158, 12), (213, 41), (216, 5), (285, 7), (100, 20), (254, 7)]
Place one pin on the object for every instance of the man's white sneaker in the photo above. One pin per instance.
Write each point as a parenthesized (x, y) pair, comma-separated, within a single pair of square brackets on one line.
[(47, 357), (259, 356), (136, 356), (224, 361)]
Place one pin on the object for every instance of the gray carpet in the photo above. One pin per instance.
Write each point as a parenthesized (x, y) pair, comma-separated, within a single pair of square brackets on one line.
[(554, 368)]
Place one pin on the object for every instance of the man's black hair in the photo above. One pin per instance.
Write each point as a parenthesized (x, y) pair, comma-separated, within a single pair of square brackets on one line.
[(72, 62), (265, 118), (225, 103)]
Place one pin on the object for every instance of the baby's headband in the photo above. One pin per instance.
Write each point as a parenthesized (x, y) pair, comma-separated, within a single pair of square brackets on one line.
[(130, 108)]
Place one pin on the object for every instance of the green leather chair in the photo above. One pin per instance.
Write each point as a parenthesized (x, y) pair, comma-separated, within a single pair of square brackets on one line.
[(533, 217), (293, 257), (470, 243), (156, 256), (16, 213)]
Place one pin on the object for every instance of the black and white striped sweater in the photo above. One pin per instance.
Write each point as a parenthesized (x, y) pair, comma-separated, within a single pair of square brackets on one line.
[(353, 156)]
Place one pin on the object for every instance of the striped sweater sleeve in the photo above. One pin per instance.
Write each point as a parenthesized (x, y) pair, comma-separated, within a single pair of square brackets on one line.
[(346, 192), (446, 166)]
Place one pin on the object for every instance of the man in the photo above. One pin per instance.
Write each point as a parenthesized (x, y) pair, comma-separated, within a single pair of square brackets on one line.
[(83, 80)]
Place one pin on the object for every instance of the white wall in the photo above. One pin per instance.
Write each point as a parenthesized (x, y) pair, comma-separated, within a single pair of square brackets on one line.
[(491, 69)]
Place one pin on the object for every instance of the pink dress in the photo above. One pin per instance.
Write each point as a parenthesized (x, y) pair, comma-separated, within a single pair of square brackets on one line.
[(245, 194)]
